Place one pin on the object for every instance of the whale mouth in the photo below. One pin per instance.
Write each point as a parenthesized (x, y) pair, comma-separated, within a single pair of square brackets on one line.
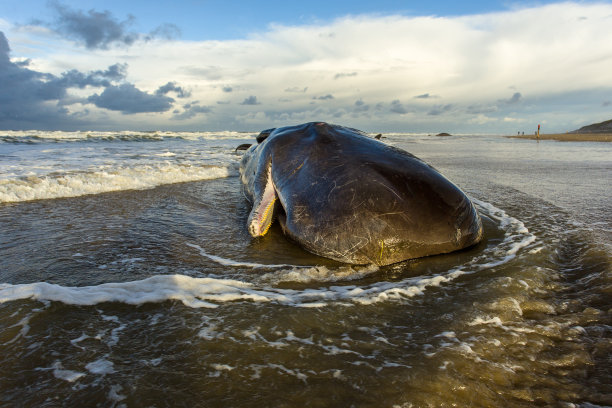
[(262, 214)]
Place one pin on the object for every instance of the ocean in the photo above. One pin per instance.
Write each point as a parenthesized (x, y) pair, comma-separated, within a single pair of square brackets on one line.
[(128, 279)]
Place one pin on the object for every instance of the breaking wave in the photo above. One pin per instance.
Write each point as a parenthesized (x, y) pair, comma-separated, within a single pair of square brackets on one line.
[(104, 180), (39, 136)]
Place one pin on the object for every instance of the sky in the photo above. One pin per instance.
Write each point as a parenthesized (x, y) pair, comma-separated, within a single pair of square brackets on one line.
[(476, 67)]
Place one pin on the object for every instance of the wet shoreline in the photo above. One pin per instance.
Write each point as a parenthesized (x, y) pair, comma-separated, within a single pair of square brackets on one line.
[(569, 137)]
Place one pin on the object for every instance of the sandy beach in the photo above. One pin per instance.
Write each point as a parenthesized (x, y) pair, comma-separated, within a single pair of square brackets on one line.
[(571, 137)]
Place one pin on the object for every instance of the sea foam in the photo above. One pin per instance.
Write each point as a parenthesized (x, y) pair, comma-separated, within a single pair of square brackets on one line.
[(102, 181)]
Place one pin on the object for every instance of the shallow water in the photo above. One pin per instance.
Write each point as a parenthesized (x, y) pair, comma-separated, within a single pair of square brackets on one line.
[(159, 297)]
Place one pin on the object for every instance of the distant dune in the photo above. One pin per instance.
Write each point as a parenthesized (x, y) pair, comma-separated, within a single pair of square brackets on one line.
[(602, 127)]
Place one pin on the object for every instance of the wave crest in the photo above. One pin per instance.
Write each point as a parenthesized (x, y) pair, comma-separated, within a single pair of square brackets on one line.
[(103, 181)]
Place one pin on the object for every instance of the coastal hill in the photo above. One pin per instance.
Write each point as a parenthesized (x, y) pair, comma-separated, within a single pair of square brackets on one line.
[(602, 127)]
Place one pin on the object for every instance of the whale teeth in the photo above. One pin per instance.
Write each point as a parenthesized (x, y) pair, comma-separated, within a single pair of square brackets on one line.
[(267, 218)]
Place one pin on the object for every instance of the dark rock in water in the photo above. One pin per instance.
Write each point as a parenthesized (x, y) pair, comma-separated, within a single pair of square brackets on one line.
[(602, 127), (443, 134), (243, 146)]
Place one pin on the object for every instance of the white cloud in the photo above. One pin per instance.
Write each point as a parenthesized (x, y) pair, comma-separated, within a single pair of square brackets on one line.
[(467, 62), (514, 120), (482, 119)]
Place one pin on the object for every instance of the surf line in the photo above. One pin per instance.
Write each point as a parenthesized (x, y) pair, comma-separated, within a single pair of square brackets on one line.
[(231, 262)]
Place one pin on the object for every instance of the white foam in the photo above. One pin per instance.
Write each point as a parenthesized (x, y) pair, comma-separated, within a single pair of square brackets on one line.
[(290, 336), (114, 395), (155, 361), (230, 262), (66, 375), (191, 291), (222, 367), (285, 370), (106, 180), (101, 367), (210, 333), (114, 336), (25, 328), (517, 236), (202, 292), (75, 342), (451, 335), (495, 321), (296, 273)]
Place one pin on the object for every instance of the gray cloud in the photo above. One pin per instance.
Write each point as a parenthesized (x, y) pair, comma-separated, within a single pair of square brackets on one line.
[(77, 79), (425, 96), (397, 107), (227, 89), (324, 97), (516, 97), (251, 100), (481, 109), (95, 29), (23, 63), (211, 72), (606, 103), (128, 99), (191, 110), (439, 109), (100, 29), (165, 31), (296, 89), (345, 74), (360, 106), (24, 93), (172, 87)]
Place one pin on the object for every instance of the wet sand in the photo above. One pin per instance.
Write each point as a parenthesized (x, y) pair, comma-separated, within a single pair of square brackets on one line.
[(570, 137)]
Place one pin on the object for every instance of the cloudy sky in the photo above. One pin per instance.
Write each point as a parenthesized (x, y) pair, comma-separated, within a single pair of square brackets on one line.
[(462, 67)]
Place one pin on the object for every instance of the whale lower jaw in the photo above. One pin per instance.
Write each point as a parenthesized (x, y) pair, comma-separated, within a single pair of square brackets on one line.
[(262, 214)]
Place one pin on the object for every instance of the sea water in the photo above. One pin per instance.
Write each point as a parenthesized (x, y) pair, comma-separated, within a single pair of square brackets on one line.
[(128, 278)]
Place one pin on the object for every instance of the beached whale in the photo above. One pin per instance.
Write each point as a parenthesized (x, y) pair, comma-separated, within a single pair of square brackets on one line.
[(343, 195)]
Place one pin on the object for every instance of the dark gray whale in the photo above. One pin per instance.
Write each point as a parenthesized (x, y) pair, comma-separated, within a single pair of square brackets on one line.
[(346, 196)]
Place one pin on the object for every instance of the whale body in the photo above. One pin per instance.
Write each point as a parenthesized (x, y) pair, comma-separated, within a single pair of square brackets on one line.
[(346, 196)]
